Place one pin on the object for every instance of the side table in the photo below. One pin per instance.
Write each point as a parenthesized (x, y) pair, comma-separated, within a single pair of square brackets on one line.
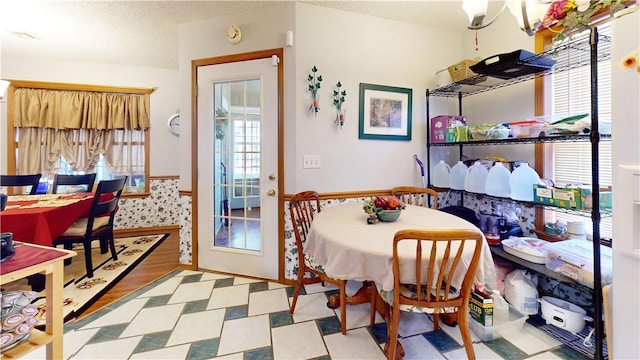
[(35, 259)]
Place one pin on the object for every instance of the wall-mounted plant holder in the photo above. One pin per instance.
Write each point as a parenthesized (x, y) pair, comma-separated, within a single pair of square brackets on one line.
[(314, 86), (338, 100)]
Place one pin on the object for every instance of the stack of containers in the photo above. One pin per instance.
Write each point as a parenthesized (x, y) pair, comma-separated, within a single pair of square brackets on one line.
[(498, 181)]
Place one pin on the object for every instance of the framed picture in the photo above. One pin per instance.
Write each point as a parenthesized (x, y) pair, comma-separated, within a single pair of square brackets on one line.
[(385, 112)]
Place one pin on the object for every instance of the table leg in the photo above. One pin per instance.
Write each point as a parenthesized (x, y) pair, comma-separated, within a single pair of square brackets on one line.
[(363, 295), (54, 318)]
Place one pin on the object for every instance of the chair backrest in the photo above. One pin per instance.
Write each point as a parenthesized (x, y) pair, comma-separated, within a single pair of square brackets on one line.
[(62, 179), (21, 180), (105, 200), (441, 258), (302, 208), (418, 196)]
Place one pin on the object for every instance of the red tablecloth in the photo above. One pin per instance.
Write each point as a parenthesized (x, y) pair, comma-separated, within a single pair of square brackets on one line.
[(26, 256), (40, 219)]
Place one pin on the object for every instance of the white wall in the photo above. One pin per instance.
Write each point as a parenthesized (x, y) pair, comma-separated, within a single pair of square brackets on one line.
[(356, 49), (164, 100), (261, 30)]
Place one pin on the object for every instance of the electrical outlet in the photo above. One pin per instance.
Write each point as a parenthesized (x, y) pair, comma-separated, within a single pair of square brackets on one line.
[(311, 162)]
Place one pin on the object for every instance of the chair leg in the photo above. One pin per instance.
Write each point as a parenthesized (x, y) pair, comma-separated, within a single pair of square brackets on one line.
[(296, 291), (87, 258), (463, 324), (343, 306), (392, 333), (112, 245), (103, 244), (436, 321), (67, 246)]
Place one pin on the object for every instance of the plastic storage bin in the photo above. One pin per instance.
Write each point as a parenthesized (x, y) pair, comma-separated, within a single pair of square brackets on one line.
[(526, 129), (574, 258), (514, 323)]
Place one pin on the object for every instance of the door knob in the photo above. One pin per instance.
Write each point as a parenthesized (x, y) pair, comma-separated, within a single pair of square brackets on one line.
[(272, 177), (271, 193)]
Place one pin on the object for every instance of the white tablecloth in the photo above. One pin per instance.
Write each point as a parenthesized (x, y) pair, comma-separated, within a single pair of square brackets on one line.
[(348, 248)]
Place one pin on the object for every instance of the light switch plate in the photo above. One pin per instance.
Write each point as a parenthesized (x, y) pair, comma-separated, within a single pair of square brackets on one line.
[(311, 161)]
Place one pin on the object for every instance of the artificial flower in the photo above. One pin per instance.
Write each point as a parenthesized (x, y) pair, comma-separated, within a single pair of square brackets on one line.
[(568, 16)]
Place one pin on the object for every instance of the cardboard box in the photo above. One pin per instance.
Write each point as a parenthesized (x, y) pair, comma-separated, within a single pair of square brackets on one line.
[(568, 198), (439, 125), (586, 198), (457, 134), (579, 198), (481, 308)]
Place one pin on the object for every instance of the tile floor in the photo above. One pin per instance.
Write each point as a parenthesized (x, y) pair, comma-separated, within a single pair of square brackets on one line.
[(195, 315)]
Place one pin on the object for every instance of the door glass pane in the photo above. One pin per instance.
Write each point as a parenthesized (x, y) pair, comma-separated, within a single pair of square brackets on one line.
[(237, 165)]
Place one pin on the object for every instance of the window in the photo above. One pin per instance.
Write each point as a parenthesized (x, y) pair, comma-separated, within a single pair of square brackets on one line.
[(58, 137), (571, 162)]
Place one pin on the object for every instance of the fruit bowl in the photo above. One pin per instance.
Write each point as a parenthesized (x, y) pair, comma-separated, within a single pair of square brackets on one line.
[(388, 215), (383, 208)]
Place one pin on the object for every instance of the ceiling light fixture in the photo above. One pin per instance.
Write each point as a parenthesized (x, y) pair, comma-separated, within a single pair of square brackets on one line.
[(528, 13)]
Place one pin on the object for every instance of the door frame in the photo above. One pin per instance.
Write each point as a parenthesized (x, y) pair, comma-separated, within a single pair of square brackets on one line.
[(195, 64)]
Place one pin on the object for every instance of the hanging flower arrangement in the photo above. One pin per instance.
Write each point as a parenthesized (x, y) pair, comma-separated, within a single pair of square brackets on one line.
[(567, 16), (338, 99), (314, 86)]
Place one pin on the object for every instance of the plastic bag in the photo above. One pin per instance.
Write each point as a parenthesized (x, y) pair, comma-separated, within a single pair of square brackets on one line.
[(520, 290)]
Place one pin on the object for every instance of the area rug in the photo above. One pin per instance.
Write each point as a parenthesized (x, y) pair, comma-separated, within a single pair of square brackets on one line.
[(81, 292)]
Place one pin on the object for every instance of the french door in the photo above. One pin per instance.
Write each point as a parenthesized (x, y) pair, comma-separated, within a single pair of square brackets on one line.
[(238, 167)]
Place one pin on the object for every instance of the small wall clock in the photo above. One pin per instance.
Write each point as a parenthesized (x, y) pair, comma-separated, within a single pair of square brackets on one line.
[(234, 34), (174, 124)]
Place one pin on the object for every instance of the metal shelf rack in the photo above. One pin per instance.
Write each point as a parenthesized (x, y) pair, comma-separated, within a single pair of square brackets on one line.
[(574, 54)]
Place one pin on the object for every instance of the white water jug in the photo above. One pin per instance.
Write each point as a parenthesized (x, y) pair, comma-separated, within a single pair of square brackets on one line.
[(522, 180), (458, 175), (441, 174), (476, 178), (498, 181)]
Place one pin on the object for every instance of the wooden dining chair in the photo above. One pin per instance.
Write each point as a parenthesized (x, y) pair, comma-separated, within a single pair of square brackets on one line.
[(419, 196), (302, 208), (65, 180), (436, 252), (99, 223), (21, 180)]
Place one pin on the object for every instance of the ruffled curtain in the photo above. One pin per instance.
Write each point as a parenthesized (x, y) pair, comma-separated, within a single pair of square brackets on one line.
[(79, 126), (62, 109)]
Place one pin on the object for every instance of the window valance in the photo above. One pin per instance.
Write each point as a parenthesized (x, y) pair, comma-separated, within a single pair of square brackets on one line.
[(64, 109)]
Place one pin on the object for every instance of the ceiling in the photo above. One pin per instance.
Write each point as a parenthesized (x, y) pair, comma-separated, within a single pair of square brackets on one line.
[(145, 33)]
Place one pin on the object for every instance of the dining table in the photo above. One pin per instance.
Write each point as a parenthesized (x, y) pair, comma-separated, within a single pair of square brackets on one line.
[(40, 219), (348, 248)]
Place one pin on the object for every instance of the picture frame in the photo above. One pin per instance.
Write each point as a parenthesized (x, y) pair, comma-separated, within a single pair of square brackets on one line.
[(385, 112)]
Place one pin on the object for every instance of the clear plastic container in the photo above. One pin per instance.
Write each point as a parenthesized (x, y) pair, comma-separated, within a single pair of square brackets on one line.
[(526, 129), (513, 324), (574, 258)]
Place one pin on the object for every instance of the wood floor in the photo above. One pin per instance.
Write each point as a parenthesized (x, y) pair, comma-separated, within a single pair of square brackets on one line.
[(163, 260)]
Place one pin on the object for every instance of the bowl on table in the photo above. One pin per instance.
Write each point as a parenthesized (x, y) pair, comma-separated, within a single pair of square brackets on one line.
[(388, 215)]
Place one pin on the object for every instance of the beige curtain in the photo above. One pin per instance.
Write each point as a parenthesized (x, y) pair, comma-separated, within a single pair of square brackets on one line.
[(40, 149), (62, 109), (79, 126)]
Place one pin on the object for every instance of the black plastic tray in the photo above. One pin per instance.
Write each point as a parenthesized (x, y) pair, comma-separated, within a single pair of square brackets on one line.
[(513, 64)]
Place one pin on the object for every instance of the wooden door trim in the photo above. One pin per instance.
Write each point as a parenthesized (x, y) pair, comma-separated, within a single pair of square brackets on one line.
[(195, 64)]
